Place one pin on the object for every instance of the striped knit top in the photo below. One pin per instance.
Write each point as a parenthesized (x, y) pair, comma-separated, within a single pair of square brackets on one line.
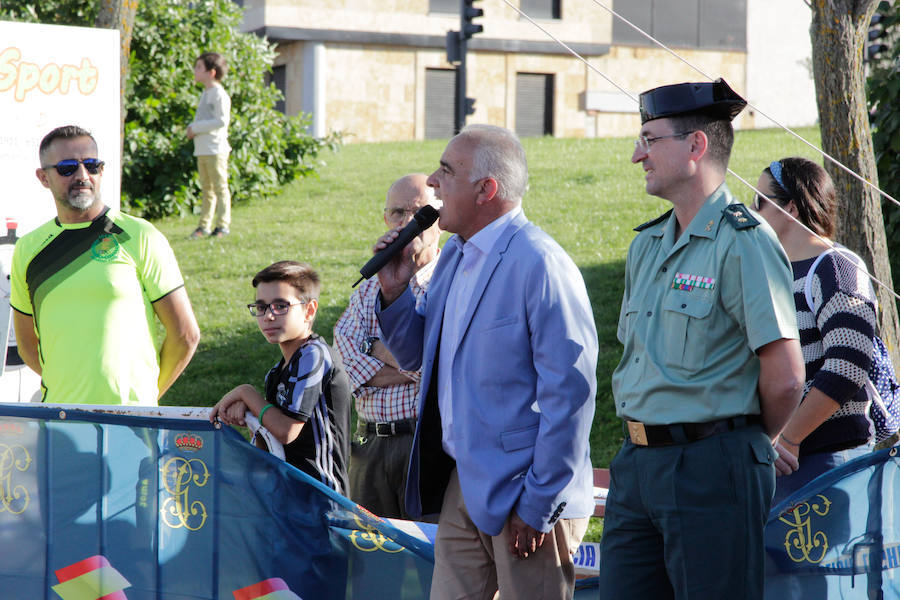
[(837, 347)]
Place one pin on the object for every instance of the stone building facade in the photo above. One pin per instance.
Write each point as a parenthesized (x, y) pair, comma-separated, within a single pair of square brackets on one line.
[(377, 69)]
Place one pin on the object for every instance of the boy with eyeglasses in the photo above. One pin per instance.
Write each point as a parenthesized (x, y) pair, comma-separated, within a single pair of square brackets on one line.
[(306, 406)]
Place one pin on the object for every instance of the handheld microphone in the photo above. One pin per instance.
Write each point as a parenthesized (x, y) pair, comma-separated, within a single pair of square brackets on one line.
[(422, 220)]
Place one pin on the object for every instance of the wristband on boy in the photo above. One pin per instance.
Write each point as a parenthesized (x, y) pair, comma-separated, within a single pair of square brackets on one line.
[(259, 417)]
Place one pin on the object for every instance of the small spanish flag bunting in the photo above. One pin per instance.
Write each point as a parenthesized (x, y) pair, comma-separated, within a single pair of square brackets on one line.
[(91, 579), (273, 588)]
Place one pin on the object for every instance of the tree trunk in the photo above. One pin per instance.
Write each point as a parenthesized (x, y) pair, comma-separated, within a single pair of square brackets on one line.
[(119, 14), (838, 33)]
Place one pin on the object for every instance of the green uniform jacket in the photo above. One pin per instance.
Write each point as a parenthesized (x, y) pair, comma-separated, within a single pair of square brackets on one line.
[(695, 311)]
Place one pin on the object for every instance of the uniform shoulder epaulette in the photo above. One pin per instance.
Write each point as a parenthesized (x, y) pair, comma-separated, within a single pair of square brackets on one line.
[(739, 217), (653, 222)]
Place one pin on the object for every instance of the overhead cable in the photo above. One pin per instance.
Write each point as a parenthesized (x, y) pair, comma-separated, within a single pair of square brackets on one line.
[(756, 108), (835, 247)]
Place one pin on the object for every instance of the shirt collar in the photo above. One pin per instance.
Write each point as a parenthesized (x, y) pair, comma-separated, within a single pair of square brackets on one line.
[(485, 239), (106, 212), (706, 222)]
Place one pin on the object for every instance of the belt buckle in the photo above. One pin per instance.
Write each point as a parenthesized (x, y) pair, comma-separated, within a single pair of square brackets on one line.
[(384, 429), (637, 433)]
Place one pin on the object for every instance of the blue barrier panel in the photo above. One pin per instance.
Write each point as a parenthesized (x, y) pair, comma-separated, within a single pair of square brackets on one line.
[(135, 504), (838, 537), (144, 508)]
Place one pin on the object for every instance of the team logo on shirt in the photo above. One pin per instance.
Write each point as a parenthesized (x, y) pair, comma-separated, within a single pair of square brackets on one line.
[(105, 248)]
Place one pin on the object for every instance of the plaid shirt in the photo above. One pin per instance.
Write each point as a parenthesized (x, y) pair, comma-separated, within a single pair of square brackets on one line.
[(376, 404)]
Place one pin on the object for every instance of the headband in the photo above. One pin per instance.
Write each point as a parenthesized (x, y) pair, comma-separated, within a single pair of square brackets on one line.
[(775, 169)]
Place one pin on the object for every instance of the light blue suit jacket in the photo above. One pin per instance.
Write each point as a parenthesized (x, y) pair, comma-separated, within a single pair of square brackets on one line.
[(524, 379)]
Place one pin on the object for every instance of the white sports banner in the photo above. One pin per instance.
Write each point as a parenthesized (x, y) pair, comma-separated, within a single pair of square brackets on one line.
[(50, 76)]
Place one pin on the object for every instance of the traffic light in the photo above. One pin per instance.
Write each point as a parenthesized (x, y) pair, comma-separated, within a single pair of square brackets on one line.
[(876, 38), (457, 46), (874, 47), (467, 13), (456, 40), (454, 50)]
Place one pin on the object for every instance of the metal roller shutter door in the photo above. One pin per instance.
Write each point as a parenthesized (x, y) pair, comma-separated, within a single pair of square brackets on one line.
[(534, 104), (440, 89)]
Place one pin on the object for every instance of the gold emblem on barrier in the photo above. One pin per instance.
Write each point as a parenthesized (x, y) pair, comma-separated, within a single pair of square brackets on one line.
[(801, 543), (13, 498), (180, 475), (369, 539)]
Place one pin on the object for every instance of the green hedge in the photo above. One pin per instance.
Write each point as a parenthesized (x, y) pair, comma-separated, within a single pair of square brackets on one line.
[(159, 171)]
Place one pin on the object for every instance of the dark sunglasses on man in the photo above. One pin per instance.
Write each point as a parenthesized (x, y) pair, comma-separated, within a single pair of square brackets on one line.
[(70, 165)]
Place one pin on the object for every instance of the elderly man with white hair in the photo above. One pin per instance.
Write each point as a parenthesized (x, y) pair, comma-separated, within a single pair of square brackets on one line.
[(385, 393)]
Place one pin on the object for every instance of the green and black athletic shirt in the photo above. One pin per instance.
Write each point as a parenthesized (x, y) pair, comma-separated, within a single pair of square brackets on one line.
[(89, 288)]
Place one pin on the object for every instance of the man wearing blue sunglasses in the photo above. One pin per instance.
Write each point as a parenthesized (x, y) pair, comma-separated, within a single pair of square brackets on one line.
[(88, 286)]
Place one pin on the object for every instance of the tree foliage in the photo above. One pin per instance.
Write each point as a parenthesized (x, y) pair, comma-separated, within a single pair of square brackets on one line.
[(838, 32), (158, 168), (55, 12), (884, 102)]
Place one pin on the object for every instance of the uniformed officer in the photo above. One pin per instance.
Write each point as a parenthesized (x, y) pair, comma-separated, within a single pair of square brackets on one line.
[(711, 369)]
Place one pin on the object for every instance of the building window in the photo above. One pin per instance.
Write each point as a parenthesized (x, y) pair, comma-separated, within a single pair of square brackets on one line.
[(278, 77), (534, 104), (712, 24), (444, 6), (440, 96), (541, 9)]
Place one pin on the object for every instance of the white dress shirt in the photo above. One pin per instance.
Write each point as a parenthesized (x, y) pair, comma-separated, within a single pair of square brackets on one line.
[(474, 253)]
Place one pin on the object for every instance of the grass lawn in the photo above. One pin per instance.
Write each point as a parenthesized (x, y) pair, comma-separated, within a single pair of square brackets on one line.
[(585, 193)]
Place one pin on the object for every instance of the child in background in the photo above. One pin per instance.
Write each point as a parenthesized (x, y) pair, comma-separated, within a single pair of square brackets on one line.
[(209, 130), (306, 406)]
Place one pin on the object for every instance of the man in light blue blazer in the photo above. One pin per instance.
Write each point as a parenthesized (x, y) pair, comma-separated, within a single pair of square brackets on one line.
[(508, 351)]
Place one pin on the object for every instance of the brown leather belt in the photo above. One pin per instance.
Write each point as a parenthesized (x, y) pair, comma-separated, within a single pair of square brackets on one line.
[(683, 433)]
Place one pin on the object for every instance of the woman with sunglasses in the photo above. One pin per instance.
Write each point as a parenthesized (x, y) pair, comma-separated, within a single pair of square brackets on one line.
[(831, 425)]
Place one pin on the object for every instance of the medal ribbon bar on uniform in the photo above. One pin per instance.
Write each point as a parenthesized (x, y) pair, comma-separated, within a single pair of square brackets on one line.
[(687, 282)]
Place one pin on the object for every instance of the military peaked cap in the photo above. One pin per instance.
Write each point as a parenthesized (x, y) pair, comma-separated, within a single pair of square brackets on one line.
[(715, 99)]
